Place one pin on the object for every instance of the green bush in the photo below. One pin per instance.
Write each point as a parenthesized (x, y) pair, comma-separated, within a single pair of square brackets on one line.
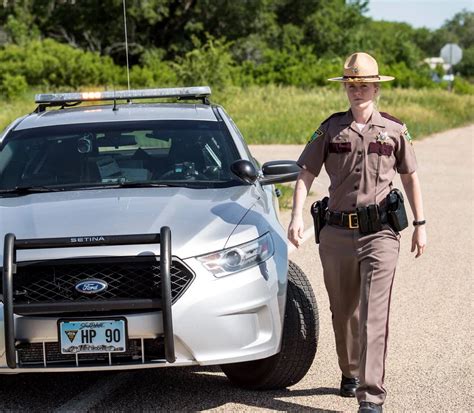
[(13, 85), (153, 71), (280, 67), (466, 66), (21, 29), (49, 63), (409, 78), (299, 67), (463, 87), (210, 63)]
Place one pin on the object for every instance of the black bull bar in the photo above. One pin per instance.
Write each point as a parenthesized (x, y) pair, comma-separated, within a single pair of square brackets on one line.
[(12, 245)]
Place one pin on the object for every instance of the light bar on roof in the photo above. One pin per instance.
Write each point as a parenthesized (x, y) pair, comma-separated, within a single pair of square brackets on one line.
[(183, 92)]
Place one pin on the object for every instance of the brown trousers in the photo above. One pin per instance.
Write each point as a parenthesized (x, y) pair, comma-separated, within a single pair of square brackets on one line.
[(358, 274)]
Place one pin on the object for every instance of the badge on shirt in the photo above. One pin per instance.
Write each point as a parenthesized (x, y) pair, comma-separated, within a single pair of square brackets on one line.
[(407, 136), (382, 137), (316, 135)]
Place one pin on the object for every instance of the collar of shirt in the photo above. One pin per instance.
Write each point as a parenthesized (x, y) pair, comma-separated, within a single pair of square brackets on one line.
[(375, 120)]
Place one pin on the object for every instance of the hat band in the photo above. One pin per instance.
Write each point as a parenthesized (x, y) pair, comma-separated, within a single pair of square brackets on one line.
[(362, 77)]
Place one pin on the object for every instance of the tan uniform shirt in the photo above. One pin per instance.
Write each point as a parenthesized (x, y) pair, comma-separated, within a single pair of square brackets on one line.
[(361, 164)]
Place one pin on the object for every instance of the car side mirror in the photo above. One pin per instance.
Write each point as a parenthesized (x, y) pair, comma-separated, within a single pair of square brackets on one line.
[(245, 171), (277, 172)]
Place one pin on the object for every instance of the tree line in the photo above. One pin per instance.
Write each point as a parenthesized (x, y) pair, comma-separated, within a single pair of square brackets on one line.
[(291, 42)]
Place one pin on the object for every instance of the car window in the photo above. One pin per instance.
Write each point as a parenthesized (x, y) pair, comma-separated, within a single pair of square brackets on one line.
[(240, 136), (120, 152)]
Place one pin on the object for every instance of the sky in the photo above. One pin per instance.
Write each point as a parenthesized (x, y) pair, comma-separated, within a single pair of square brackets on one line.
[(418, 13)]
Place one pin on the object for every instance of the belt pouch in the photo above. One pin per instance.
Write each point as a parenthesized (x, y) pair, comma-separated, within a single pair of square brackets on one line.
[(397, 215), (363, 220), (374, 218)]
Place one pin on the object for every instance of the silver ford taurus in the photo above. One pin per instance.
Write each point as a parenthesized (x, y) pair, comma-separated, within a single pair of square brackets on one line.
[(142, 235)]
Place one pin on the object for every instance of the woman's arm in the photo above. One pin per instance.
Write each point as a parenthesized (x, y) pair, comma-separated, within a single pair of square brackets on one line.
[(296, 228), (411, 183)]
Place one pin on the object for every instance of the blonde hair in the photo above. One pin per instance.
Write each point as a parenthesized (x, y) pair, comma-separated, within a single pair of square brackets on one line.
[(377, 96)]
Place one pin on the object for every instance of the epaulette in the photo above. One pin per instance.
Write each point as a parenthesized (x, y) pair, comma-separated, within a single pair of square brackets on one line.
[(390, 117), (332, 116)]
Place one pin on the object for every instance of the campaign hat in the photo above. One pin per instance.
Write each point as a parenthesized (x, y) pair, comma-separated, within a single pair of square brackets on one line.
[(361, 67)]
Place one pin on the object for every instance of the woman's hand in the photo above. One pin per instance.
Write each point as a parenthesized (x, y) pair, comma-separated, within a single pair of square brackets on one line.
[(418, 240), (296, 230)]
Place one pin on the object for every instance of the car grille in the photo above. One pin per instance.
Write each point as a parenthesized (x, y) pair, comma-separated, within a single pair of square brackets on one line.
[(47, 354), (127, 278)]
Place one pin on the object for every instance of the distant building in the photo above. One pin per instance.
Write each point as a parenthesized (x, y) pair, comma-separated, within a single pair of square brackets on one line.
[(435, 61)]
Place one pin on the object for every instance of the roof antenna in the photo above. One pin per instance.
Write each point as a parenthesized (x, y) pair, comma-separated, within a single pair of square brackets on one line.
[(126, 42), (115, 108)]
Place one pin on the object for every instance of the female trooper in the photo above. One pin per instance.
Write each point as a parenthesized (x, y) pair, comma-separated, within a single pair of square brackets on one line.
[(362, 149)]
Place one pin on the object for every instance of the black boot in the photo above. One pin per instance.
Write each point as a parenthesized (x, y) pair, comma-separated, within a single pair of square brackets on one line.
[(348, 386), (368, 407)]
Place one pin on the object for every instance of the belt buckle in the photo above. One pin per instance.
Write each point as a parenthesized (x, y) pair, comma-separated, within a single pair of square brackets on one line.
[(352, 224)]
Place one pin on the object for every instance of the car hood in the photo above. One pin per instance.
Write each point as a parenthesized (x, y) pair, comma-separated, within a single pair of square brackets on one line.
[(201, 220)]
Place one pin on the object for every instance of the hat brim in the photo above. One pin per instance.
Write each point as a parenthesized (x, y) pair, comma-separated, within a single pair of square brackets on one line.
[(361, 79)]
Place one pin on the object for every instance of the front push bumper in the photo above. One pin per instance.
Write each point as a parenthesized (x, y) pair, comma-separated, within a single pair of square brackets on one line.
[(232, 319)]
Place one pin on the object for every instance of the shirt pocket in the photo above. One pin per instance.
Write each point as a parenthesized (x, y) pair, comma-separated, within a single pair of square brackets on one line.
[(380, 157), (339, 160)]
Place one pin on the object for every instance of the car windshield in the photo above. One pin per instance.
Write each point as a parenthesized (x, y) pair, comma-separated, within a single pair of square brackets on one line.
[(176, 153)]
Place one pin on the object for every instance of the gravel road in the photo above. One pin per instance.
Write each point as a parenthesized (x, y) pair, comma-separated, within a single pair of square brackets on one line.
[(430, 361)]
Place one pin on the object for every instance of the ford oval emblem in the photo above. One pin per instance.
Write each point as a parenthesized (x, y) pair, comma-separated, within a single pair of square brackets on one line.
[(91, 286)]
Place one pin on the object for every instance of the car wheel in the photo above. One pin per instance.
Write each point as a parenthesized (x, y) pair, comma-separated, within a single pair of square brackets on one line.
[(298, 345)]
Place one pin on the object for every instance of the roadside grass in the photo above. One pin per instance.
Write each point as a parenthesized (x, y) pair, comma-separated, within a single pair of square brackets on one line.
[(289, 115), (14, 108), (286, 198)]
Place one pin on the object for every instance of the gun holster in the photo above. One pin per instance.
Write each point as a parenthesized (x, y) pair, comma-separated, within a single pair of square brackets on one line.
[(318, 212), (396, 212)]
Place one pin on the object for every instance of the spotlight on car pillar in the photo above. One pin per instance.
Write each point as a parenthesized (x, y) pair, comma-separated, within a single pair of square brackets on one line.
[(244, 171)]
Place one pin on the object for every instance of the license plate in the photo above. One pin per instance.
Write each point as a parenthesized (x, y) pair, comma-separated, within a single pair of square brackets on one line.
[(92, 336)]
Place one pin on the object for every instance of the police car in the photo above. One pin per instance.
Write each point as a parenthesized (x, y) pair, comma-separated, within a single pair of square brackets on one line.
[(142, 235)]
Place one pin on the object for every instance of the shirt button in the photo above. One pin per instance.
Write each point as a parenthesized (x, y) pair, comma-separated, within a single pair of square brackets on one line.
[(356, 186), (353, 205), (359, 152), (357, 169)]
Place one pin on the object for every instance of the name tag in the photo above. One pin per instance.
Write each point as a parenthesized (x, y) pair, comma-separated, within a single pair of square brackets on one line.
[(380, 148), (339, 147)]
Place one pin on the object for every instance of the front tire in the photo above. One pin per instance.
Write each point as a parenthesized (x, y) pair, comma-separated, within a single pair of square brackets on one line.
[(298, 343)]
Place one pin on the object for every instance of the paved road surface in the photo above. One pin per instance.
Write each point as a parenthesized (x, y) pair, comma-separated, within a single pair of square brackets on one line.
[(430, 362)]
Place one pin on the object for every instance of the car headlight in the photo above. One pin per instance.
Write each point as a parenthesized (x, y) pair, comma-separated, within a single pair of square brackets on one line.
[(240, 257)]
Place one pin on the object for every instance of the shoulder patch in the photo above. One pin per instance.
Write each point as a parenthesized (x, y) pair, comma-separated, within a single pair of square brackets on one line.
[(333, 116), (316, 135), (407, 135), (390, 117)]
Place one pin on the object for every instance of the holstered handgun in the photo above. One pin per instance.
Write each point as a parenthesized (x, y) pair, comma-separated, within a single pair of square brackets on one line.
[(318, 212), (396, 213)]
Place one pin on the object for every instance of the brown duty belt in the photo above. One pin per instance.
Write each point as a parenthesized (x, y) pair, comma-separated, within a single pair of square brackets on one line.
[(348, 219)]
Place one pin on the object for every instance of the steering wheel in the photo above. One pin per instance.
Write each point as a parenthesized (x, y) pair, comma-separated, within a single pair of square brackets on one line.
[(172, 174)]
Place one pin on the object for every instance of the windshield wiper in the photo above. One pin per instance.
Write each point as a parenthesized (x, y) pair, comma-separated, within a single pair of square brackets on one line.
[(25, 190), (168, 184), (115, 185), (145, 185)]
